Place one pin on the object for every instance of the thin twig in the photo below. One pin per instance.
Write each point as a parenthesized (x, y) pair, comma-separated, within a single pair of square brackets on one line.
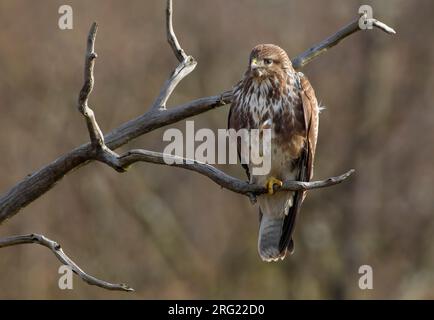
[(307, 56), (99, 149), (171, 37), (63, 258), (382, 26), (180, 72), (96, 136), (186, 64)]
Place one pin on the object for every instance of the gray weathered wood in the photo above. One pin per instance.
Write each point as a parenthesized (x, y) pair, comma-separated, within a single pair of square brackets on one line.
[(62, 257), (36, 184)]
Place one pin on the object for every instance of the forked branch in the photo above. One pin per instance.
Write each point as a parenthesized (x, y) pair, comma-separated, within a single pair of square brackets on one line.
[(185, 67)]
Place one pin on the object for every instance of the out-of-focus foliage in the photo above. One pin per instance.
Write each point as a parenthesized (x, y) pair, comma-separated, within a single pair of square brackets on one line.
[(171, 233)]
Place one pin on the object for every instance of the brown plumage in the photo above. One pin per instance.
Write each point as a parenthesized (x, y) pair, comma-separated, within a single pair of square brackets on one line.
[(273, 93)]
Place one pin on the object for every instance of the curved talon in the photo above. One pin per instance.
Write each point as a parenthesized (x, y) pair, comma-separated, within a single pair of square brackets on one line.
[(270, 184)]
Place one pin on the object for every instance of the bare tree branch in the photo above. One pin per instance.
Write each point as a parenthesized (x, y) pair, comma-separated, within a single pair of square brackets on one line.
[(219, 177), (38, 183), (304, 58), (96, 136), (185, 67), (180, 72), (382, 26), (101, 147), (171, 37), (41, 181), (63, 258)]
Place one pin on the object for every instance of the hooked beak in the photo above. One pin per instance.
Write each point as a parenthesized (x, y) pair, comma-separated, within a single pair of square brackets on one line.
[(256, 68), (254, 64)]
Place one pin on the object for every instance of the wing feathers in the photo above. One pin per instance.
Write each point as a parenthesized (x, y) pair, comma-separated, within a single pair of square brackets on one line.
[(310, 110)]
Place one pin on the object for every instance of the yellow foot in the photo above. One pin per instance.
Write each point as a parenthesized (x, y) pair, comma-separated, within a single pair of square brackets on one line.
[(270, 184)]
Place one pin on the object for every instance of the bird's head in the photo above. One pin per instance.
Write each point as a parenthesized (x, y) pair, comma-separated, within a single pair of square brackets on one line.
[(268, 60)]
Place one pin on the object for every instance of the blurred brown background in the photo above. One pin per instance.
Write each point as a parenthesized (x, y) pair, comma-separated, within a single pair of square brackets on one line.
[(170, 233)]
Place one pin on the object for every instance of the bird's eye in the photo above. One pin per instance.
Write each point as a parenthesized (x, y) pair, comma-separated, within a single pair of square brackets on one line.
[(268, 61)]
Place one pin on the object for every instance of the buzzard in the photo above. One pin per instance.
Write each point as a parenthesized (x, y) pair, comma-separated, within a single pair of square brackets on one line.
[(274, 96)]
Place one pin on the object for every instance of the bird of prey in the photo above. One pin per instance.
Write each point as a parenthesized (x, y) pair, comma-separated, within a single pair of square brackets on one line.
[(273, 95)]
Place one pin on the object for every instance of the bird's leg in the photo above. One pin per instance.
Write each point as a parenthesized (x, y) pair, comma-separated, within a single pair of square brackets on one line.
[(271, 182)]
